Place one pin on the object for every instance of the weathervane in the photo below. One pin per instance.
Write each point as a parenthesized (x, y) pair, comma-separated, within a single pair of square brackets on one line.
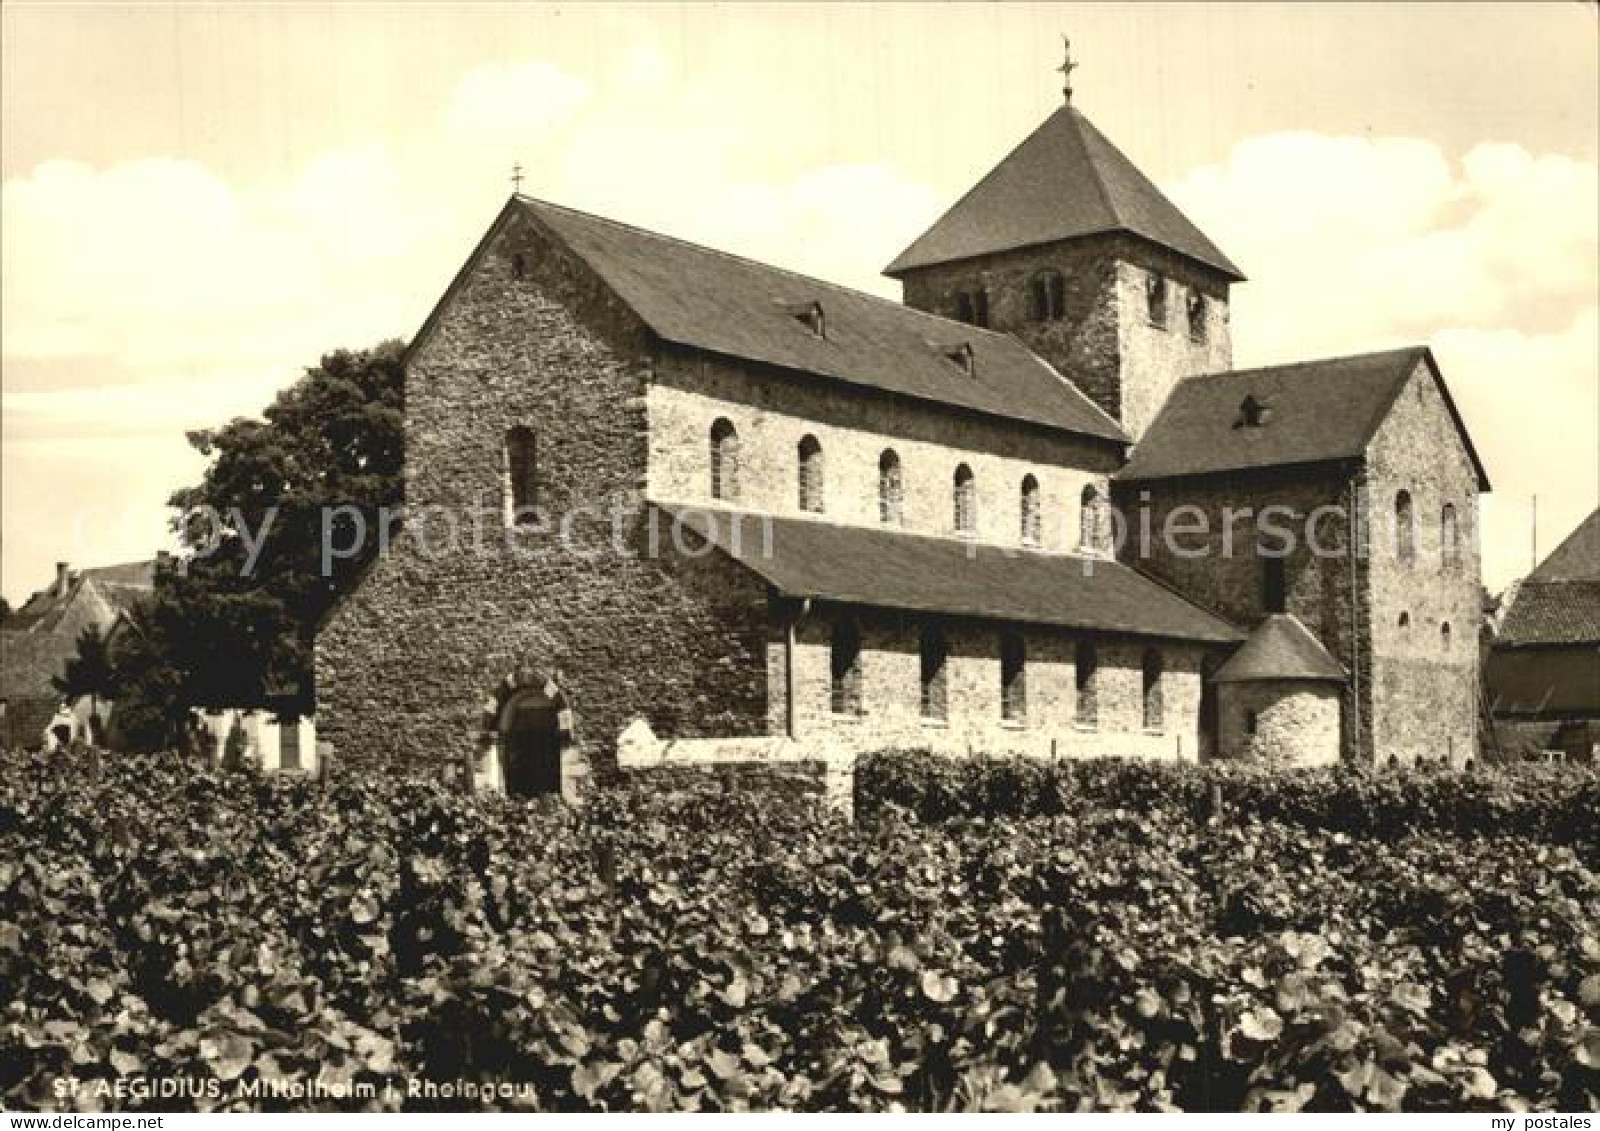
[(516, 177), (1066, 69)]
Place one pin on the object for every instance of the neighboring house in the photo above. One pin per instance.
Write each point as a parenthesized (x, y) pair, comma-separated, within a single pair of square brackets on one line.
[(743, 513), (39, 638), (273, 740), (1543, 675)]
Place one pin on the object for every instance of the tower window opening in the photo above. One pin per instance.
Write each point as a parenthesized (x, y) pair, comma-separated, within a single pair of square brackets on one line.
[(1197, 316), (1155, 298), (1049, 293)]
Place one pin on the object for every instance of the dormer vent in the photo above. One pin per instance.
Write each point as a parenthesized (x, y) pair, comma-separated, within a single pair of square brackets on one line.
[(960, 355), (810, 315)]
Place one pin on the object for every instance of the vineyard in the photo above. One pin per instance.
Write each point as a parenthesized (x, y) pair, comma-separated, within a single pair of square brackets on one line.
[(986, 935)]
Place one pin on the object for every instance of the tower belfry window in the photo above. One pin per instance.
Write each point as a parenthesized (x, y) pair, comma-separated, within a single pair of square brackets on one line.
[(1197, 316), (972, 307), (1049, 297), (1155, 297)]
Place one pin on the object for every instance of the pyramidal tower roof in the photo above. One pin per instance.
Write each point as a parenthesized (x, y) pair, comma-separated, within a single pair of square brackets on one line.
[(1065, 180)]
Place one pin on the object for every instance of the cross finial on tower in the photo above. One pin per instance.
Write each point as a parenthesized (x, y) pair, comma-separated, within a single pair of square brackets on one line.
[(516, 176), (1066, 69)]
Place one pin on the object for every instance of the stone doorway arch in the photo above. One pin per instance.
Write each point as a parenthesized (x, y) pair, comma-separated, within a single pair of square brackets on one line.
[(526, 744)]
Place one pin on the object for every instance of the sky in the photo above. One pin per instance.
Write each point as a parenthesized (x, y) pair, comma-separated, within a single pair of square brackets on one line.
[(198, 201)]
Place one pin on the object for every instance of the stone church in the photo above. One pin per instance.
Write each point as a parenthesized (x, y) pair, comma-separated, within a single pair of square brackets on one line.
[(736, 514)]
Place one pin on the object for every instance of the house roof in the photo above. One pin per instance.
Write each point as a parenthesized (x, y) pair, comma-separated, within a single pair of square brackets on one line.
[(1313, 412), (1559, 602), (890, 569), (1065, 180), (1552, 612), (711, 300), (39, 638), (104, 591), (1578, 556), (1280, 648)]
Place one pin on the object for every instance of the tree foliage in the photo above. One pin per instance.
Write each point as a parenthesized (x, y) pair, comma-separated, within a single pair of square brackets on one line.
[(226, 629), (88, 670)]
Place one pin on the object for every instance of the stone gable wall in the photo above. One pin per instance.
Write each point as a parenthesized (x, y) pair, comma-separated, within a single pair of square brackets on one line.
[(1423, 690), (406, 664)]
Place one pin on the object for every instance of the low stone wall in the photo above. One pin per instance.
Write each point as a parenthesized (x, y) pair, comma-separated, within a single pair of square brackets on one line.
[(766, 764)]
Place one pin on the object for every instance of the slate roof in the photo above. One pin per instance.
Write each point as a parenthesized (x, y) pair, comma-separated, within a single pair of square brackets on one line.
[(1553, 612), (1577, 558), (110, 589), (39, 638), (1559, 602), (1315, 412), (1280, 647), (711, 300), (1064, 180), (890, 569)]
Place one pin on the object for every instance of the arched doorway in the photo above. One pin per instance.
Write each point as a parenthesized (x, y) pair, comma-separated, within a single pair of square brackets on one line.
[(531, 744), (526, 745)]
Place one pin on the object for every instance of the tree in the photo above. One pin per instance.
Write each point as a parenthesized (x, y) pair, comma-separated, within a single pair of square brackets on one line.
[(216, 633), (87, 672), (5, 609), (149, 679)]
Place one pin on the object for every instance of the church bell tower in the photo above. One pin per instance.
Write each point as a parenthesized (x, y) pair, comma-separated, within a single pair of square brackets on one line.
[(1068, 246)]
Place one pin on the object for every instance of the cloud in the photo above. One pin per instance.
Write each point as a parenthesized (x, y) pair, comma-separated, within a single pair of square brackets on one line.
[(161, 266), (153, 295), (1356, 243), (1533, 403)]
